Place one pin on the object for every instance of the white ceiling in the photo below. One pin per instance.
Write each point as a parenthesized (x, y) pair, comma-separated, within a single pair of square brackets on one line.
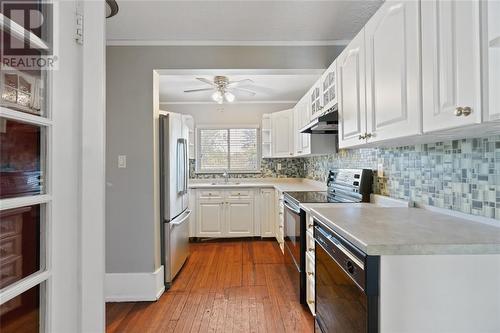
[(269, 88), (238, 22)]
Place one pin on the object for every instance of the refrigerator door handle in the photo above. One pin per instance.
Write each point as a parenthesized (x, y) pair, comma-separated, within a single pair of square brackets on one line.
[(180, 164), (186, 166), (180, 221)]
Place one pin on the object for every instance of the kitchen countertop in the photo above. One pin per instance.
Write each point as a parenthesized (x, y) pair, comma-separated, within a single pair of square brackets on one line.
[(282, 184), (408, 231)]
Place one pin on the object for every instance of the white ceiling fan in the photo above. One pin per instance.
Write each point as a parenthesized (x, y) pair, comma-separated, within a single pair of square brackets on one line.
[(223, 88)]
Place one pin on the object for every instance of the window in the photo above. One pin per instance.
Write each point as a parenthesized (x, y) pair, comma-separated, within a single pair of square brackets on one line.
[(228, 149)]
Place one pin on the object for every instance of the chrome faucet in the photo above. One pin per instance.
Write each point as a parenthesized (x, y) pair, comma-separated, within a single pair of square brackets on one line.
[(226, 176)]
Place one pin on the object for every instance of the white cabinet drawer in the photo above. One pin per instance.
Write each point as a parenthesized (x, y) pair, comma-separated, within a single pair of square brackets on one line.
[(239, 194), (310, 244), (310, 224), (210, 194), (310, 270), (310, 294)]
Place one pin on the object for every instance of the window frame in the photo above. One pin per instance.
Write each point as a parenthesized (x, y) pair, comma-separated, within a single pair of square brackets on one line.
[(199, 170)]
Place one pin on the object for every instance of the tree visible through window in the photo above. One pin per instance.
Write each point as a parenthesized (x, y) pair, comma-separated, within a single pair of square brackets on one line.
[(231, 149)]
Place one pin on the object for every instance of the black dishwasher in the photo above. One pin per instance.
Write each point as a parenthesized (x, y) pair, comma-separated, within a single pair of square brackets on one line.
[(347, 285)]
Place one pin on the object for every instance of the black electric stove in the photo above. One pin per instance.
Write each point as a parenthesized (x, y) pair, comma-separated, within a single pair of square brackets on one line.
[(344, 186)]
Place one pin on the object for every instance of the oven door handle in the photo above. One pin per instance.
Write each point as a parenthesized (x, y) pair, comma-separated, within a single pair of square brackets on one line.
[(291, 208)]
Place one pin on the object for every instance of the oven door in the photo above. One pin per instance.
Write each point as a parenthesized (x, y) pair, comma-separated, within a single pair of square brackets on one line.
[(345, 301), (341, 306)]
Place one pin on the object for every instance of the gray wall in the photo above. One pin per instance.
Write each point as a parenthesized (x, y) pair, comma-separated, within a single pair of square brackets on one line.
[(132, 215)]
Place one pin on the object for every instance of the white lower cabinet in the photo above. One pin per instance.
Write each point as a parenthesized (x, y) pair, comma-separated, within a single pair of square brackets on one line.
[(225, 213), (239, 218), (267, 212), (280, 220), (210, 218)]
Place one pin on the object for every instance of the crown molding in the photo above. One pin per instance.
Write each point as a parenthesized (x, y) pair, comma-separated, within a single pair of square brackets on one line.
[(144, 42), (235, 102)]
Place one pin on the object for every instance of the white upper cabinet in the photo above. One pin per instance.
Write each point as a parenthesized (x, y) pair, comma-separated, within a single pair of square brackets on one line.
[(329, 86), (351, 92), (315, 100), (451, 70), (282, 133), (393, 96), (301, 119), (492, 107)]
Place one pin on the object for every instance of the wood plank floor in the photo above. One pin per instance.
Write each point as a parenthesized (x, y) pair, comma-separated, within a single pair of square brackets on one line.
[(227, 286)]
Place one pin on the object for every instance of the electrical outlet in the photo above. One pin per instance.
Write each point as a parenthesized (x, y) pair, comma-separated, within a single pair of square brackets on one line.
[(380, 170), (278, 166), (122, 161)]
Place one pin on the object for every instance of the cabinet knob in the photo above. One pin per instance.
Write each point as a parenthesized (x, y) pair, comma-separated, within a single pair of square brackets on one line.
[(310, 302), (281, 227), (458, 111), (310, 226), (291, 154), (310, 273), (466, 111), (311, 249), (368, 135), (361, 137)]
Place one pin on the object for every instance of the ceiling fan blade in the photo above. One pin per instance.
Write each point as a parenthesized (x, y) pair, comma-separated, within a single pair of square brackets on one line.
[(245, 91), (240, 82), (207, 81), (196, 90)]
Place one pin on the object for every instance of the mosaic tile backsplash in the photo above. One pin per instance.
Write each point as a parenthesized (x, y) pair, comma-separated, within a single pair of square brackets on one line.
[(290, 168), (462, 175)]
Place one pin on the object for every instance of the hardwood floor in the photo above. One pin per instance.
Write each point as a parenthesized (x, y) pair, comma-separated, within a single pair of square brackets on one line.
[(229, 286)]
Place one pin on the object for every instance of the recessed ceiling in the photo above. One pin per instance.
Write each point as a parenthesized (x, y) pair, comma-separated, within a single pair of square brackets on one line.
[(238, 22), (269, 88)]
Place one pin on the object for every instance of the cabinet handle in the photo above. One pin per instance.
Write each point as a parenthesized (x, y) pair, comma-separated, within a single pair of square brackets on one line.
[(361, 137), (310, 302), (311, 249), (299, 152), (458, 111), (368, 135), (310, 225), (291, 154), (281, 227), (310, 273), (467, 111)]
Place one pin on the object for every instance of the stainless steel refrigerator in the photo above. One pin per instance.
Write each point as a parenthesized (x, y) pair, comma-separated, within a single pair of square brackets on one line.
[(174, 172)]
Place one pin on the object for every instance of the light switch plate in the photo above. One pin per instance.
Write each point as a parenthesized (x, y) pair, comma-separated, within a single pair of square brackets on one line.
[(122, 161), (278, 166)]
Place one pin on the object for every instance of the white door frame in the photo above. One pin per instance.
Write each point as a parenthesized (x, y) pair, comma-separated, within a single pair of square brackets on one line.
[(92, 231)]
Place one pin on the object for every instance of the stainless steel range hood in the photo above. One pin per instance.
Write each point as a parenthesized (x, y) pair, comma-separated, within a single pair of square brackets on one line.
[(327, 123)]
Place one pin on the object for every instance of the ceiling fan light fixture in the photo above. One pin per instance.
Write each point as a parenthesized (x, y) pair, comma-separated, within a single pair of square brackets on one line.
[(229, 97), (217, 97)]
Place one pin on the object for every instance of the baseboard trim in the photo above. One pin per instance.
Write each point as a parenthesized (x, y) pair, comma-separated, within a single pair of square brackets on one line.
[(134, 287)]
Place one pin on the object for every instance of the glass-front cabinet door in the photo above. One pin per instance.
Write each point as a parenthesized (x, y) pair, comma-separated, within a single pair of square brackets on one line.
[(25, 160)]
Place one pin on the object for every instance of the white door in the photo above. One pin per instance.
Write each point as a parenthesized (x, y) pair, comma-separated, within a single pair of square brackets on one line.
[(267, 213), (282, 133), (450, 64), (393, 98), (239, 218), (210, 218), (493, 69), (351, 92)]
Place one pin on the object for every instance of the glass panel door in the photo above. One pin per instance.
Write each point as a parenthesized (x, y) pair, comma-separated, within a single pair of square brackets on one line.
[(25, 160)]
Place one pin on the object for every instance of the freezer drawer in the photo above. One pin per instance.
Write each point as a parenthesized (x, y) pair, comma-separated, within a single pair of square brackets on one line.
[(176, 245)]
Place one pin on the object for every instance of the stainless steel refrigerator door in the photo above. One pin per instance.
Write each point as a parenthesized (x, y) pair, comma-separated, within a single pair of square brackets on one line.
[(173, 166), (176, 245)]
